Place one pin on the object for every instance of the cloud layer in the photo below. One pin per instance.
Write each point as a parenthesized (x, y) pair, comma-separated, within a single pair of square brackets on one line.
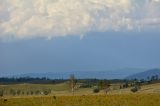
[(25, 19)]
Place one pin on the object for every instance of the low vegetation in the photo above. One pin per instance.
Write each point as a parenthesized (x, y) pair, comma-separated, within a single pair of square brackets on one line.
[(96, 90), (80, 92), (98, 100)]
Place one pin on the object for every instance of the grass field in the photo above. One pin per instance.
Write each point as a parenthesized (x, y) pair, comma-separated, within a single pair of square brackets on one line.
[(148, 95), (63, 89), (94, 100)]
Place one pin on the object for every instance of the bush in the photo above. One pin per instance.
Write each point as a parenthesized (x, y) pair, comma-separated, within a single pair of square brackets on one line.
[(37, 92), (31, 92), (27, 93), (18, 92), (1, 93), (96, 90), (135, 89), (23, 93), (46, 92), (12, 92)]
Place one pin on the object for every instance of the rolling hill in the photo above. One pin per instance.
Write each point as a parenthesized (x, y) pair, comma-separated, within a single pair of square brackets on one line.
[(108, 74), (145, 74)]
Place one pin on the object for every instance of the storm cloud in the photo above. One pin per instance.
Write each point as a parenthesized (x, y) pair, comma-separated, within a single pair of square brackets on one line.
[(26, 19)]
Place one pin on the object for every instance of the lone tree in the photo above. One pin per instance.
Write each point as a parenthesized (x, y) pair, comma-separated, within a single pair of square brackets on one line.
[(107, 86), (101, 84), (104, 85), (72, 83)]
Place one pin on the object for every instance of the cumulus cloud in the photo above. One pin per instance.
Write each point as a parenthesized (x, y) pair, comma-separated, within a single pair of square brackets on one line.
[(25, 19)]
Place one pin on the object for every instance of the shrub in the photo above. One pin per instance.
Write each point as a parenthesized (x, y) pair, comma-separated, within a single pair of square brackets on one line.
[(96, 90), (46, 92), (31, 92), (37, 92), (27, 93), (23, 93), (12, 92), (18, 92), (1, 93), (135, 89)]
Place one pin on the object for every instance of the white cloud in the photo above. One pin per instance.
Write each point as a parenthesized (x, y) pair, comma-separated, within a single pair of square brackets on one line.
[(24, 19)]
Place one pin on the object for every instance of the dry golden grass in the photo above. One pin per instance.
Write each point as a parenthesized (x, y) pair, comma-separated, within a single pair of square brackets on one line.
[(55, 87), (63, 89), (90, 100), (149, 95)]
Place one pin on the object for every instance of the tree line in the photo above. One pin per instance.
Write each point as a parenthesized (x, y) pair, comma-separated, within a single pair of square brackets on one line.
[(43, 80)]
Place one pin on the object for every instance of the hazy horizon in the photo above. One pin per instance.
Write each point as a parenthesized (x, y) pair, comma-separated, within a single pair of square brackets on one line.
[(111, 72)]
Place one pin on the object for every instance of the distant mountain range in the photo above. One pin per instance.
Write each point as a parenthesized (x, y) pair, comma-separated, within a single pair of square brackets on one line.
[(109, 74), (145, 74)]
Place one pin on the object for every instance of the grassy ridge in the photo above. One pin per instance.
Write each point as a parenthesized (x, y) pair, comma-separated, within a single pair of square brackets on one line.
[(96, 100), (56, 87), (149, 95), (63, 89)]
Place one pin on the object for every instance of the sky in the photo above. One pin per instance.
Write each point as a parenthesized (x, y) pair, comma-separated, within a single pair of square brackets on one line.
[(78, 35)]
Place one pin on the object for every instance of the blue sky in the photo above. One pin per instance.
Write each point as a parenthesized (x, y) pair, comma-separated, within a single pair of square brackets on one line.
[(89, 35), (95, 52)]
